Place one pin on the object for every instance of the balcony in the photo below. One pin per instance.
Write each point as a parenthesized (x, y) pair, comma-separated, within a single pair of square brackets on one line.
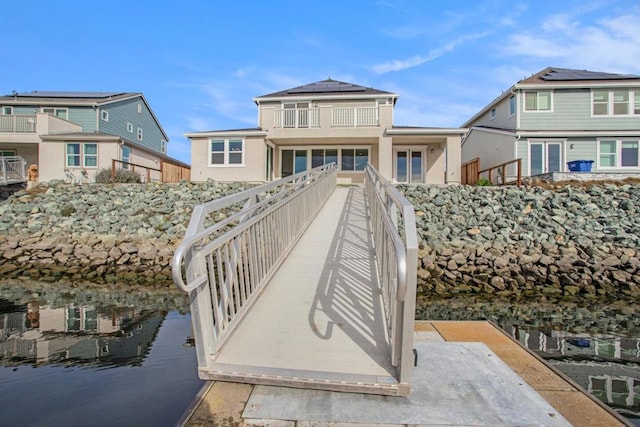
[(343, 117), (17, 123)]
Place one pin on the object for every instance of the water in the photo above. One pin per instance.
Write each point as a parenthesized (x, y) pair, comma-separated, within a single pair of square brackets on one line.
[(102, 358), (595, 343), (76, 358)]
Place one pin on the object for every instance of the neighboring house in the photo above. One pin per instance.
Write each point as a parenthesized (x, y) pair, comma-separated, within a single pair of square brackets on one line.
[(559, 116), (323, 122), (77, 133)]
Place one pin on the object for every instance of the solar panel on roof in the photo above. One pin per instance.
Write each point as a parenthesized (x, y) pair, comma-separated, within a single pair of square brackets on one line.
[(564, 74), (56, 94)]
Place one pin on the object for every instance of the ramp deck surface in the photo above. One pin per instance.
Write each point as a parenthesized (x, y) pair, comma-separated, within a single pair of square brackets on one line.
[(321, 316)]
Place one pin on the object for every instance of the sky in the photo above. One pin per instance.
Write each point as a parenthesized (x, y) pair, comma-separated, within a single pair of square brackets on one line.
[(200, 63)]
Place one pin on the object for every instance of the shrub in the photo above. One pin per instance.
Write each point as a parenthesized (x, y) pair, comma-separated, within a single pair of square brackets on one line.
[(121, 176), (483, 182)]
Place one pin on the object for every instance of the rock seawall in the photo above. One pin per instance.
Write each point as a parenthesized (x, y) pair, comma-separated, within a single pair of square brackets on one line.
[(474, 240), (121, 233), (528, 241)]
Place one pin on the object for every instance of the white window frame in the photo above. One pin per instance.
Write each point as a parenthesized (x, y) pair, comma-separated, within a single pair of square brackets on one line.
[(140, 134), (6, 108), (55, 112), (163, 146), (125, 158), (513, 105), (618, 153), (537, 110), (82, 155), (139, 108), (492, 114), (631, 103), (129, 127), (104, 115), (309, 149), (7, 152), (545, 153), (226, 151)]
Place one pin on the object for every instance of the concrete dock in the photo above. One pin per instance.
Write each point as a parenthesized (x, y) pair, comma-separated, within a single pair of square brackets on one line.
[(468, 374)]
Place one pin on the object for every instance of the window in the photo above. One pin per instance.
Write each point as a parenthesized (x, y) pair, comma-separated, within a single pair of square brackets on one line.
[(126, 156), (226, 152), (7, 110), (537, 101), (58, 112), (139, 108), (140, 134), (163, 146), (354, 159), (600, 103), (620, 102), (321, 157), (512, 105), (618, 153), (7, 153), (82, 155), (130, 127), (493, 113), (104, 115)]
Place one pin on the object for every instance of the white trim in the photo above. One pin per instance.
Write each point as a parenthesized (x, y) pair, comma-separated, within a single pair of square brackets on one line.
[(129, 127), (347, 95), (515, 105), (568, 133), (493, 114), (545, 153), (308, 149), (104, 115), (409, 148), (618, 153), (579, 85), (226, 133), (10, 110), (611, 105), (427, 131), (55, 109), (140, 134), (496, 131), (226, 152), (537, 110)]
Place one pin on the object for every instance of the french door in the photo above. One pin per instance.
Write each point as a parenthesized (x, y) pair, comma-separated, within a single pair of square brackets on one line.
[(409, 165), (545, 157), (292, 162)]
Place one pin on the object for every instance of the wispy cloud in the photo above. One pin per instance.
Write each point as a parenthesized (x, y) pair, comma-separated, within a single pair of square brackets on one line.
[(609, 44), (417, 60)]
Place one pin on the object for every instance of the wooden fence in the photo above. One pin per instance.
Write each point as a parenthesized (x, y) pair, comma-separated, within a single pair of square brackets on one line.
[(168, 172), (496, 175)]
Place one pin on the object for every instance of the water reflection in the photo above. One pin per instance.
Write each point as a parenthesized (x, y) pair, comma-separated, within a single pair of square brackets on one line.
[(595, 343), (55, 344)]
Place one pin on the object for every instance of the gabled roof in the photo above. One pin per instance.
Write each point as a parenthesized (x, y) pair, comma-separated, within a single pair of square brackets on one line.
[(70, 98), (551, 75), (74, 98), (326, 89)]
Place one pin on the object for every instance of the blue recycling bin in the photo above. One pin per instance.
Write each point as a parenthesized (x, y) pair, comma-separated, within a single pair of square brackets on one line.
[(580, 165)]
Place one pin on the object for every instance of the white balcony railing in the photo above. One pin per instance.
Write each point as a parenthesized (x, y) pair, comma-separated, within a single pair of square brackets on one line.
[(297, 118), (354, 117), (17, 123)]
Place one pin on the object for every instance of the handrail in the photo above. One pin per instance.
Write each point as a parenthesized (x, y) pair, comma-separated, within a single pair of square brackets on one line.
[(13, 170), (224, 265), (395, 240), (502, 172)]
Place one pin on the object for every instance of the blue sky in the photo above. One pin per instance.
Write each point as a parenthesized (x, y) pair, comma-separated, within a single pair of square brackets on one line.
[(199, 63)]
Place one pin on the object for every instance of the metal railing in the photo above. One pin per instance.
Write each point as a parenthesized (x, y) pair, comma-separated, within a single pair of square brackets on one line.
[(224, 266), (13, 170), (297, 118), (395, 240), (17, 123), (354, 117)]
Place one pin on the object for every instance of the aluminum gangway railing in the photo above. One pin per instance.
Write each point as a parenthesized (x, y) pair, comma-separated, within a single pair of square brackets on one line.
[(225, 267), (227, 264), (13, 170), (395, 240)]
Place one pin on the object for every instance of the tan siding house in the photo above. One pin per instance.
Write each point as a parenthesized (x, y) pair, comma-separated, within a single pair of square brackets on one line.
[(324, 122)]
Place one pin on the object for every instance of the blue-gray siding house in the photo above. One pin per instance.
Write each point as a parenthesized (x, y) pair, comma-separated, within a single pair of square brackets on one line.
[(75, 134), (558, 120)]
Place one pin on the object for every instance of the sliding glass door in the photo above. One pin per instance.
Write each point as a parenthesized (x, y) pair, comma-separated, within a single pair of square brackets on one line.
[(409, 165)]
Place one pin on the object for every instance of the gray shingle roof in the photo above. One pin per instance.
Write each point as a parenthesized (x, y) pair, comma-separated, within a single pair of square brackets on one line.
[(64, 96), (327, 87), (553, 74)]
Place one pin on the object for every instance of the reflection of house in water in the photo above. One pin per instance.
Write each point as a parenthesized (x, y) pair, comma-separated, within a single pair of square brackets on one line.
[(76, 335), (557, 343)]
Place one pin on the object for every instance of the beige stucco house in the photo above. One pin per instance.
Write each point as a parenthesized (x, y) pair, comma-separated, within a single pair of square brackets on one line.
[(323, 122)]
